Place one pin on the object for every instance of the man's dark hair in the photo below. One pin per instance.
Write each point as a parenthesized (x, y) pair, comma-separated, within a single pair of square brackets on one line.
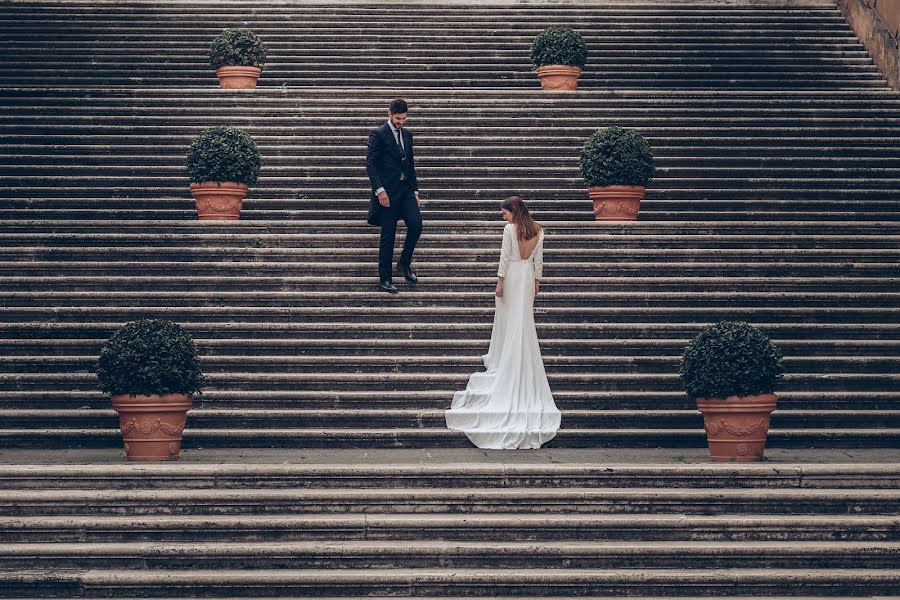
[(398, 106)]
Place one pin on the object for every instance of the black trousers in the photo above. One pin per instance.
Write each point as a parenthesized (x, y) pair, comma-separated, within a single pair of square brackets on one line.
[(403, 207)]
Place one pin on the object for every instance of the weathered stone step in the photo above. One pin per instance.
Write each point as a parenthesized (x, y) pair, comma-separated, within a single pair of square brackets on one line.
[(456, 555), (791, 158), (637, 346), (517, 73), (314, 417), (448, 362), (441, 103), (873, 528), (437, 270), (436, 175), (581, 500), (559, 254), (511, 527), (381, 93), (461, 582), (465, 230), (386, 400), (455, 473), (448, 60), (468, 299), (733, 214), (657, 126), (576, 237), (500, 148), (661, 79), (373, 439), (482, 284), (353, 381), (469, 32), (482, 313), (337, 16), (366, 284)]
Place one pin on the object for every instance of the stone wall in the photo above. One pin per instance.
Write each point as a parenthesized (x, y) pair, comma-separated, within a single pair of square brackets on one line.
[(879, 35)]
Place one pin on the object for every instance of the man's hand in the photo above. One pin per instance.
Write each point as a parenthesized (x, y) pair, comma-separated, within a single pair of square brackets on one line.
[(383, 200), (418, 200)]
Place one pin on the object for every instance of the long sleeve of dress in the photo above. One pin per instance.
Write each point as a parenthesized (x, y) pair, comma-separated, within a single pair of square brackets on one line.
[(539, 258), (505, 252)]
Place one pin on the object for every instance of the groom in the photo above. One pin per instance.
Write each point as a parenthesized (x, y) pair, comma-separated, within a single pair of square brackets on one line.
[(395, 193)]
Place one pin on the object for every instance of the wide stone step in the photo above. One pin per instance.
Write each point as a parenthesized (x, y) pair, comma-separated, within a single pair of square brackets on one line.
[(657, 79), (437, 399), (393, 472), (605, 362), (429, 298), (435, 272), (393, 437), (482, 314), (814, 212), (344, 237), (21, 503), (314, 417), (425, 330), (322, 347), (468, 582), (499, 527), (449, 555), (558, 253), (158, 175), (443, 103)]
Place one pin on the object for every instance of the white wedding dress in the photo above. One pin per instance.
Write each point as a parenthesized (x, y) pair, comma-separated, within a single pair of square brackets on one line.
[(510, 405)]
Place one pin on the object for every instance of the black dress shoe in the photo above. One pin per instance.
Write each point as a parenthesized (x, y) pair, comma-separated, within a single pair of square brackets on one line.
[(407, 273), (387, 286)]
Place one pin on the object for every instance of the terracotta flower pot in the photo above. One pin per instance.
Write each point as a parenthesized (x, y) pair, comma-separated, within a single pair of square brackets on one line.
[(617, 202), (152, 425), (558, 78), (219, 201), (238, 78), (736, 427)]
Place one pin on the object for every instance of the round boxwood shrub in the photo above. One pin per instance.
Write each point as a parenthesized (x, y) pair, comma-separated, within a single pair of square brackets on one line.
[(223, 154), (616, 156), (558, 46), (236, 48), (149, 357), (730, 358)]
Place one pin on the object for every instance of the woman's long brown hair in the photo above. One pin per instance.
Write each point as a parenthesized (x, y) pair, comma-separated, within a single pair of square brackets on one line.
[(526, 227)]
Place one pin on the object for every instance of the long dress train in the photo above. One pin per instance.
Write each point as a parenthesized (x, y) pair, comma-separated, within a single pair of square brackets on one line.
[(510, 404)]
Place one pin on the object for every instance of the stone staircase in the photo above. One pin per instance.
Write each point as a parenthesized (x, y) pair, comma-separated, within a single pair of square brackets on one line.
[(775, 202), (449, 529)]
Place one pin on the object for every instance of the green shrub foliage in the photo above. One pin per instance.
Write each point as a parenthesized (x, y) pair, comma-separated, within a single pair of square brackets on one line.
[(558, 46), (730, 358), (224, 154), (616, 156), (149, 357), (237, 48)]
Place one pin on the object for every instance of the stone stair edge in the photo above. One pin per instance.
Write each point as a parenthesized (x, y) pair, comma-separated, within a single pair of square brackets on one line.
[(823, 5)]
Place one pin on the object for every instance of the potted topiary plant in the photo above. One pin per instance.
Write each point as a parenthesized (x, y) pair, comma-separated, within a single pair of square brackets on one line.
[(559, 53), (223, 162), (236, 55), (731, 370), (617, 165), (151, 370)]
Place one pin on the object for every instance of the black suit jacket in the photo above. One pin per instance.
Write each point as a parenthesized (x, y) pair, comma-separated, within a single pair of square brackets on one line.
[(385, 165)]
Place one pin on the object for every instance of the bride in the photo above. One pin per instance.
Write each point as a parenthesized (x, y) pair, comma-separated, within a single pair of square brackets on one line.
[(510, 405)]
